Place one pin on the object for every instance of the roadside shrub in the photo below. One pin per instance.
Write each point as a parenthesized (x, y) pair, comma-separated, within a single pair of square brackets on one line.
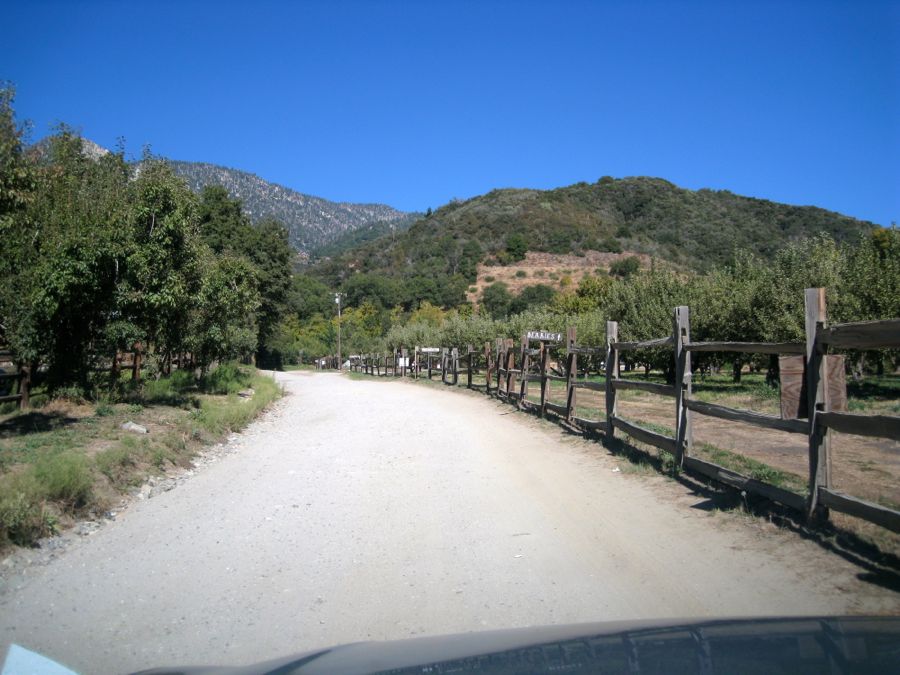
[(521, 274), (65, 477), (72, 393), (115, 462), (22, 516), (228, 378), (236, 413), (104, 410), (625, 267), (169, 389)]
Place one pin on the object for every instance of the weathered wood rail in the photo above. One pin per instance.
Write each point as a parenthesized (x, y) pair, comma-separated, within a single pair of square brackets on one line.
[(509, 368), (15, 374)]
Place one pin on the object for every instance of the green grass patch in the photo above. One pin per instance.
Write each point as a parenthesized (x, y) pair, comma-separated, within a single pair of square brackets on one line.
[(218, 416), (751, 468), (23, 513), (63, 460), (170, 390), (65, 478), (228, 378), (117, 462)]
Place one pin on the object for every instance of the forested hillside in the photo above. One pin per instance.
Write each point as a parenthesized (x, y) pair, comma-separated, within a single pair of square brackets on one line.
[(312, 222), (692, 229)]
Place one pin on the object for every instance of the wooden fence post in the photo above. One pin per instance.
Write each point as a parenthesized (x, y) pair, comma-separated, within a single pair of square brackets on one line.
[(509, 346), (571, 368), (24, 385), (681, 328), (816, 386), (488, 367), (544, 356), (470, 353), (525, 364), (136, 362), (612, 373), (500, 360), (114, 370)]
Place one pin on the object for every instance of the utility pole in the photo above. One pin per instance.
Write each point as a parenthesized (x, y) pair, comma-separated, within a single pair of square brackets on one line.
[(337, 299)]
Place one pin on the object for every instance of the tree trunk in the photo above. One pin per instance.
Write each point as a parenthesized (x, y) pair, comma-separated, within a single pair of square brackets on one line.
[(772, 374), (736, 369)]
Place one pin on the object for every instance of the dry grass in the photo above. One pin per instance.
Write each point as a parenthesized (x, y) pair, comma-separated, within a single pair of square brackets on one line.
[(547, 268)]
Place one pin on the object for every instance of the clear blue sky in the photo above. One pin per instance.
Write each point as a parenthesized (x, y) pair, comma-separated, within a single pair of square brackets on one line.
[(415, 103)]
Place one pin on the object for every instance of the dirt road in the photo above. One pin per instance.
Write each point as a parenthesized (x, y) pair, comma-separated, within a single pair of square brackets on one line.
[(368, 510)]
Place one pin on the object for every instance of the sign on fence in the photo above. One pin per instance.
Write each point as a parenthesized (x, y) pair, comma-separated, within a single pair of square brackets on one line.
[(544, 336), (792, 378), (430, 350)]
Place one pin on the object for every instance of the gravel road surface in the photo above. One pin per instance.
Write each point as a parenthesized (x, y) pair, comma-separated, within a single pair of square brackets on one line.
[(372, 510)]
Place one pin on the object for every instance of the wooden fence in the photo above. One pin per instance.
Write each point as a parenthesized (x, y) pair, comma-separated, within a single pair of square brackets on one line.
[(14, 370), (14, 375), (509, 369)]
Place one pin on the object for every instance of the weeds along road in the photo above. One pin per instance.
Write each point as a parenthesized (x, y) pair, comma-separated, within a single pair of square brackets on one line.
[(370, 510)]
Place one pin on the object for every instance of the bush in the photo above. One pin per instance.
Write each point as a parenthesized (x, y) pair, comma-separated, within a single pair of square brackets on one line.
[(521, 274), (22, 516), (236, 413), (169, 389), (72, 393), (65, 477), (625, 267), (104, 410), (611, 244), (228, 378), (115, 462), (516, 246)]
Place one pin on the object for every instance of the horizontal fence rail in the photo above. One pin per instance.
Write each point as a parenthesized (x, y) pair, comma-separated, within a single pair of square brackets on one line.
[(524, 373)]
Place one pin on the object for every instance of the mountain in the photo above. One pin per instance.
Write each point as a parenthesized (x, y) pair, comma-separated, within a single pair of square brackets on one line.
[(352, 239), (650, 216), (312, 222)]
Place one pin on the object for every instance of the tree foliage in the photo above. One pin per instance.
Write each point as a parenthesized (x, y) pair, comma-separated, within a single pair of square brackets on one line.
[(100, 255)]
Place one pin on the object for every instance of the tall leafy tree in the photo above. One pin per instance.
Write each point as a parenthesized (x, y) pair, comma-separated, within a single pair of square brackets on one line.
[(163, 265), (70, 259), (271, 254)]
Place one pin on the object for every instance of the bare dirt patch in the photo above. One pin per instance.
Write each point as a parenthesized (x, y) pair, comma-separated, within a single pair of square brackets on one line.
[(548, 268)]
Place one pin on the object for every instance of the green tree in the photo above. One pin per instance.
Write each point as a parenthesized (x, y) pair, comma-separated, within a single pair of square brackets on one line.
[(67, 253), (223, 224), (469, 259), (532, 296), (496, 299), (271, 254), (625, 267), (163, 264), (224, 319), (17, 188), (516, 246), (308, 297)]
